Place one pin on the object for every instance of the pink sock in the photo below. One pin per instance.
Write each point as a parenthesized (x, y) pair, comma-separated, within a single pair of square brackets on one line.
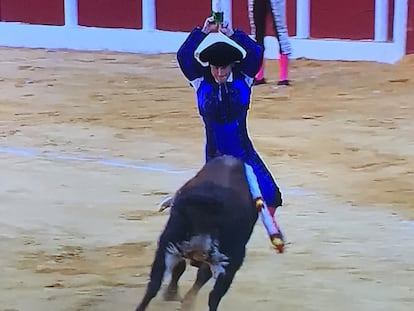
[(272, 210), (283, 66), (260, 74)]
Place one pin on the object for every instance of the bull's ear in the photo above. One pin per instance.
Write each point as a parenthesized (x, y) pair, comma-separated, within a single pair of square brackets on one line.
[(166, 203)]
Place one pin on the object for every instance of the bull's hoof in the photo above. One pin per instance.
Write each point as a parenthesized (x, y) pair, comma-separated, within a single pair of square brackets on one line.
[(187, 305), (171, 295), (189, 301)]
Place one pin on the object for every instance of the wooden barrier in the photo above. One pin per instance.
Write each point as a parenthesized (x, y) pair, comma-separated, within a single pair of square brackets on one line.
[(41, 12), (110, 13), (375, 30), (410, 28)]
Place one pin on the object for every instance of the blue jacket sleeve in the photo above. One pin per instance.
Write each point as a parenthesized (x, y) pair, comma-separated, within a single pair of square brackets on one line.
[(190, 67), (254, 57)]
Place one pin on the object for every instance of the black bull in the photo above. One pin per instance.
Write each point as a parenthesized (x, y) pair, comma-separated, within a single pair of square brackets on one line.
[(211, 220)]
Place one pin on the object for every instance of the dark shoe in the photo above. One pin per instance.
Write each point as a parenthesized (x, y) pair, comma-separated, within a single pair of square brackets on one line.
[(278, 242), (284, 82), (259, 82)]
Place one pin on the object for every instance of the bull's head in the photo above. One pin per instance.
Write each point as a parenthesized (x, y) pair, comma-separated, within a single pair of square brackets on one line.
[(200, 249)]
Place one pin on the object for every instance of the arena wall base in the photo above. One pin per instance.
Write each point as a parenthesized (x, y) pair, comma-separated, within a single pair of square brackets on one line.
[(156, 41)]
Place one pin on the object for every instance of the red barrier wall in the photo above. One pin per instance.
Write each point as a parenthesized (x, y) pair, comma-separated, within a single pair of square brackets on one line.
[(410, 28), (110, 13), (352, 19), (182, 15), (390, 19), (43, 12), (291, 16)]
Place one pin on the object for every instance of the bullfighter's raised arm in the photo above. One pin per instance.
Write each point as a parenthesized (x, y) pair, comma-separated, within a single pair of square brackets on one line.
[(250, 65), (190, 67)]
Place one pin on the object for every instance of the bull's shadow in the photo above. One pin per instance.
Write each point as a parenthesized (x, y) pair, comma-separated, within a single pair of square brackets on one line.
[(211, 220)]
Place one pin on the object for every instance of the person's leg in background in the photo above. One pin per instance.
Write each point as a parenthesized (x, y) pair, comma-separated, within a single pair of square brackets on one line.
[(278, 8), (257, 17)]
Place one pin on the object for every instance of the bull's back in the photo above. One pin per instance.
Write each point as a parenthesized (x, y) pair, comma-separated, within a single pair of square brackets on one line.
[(222, 185), (224, 171)]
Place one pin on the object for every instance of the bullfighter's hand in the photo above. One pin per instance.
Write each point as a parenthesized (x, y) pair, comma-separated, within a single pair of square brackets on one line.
[(226, 29), (209, 25)]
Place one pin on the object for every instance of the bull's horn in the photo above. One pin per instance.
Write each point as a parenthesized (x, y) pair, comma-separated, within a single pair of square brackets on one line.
[(166, 203)]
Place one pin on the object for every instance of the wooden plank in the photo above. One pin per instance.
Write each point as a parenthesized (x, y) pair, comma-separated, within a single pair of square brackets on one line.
[(110, 13), (42, 12)]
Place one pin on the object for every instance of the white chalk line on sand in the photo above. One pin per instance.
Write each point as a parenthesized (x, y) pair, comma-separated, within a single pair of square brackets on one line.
[(60, 156), (57, 156), (33, 153)]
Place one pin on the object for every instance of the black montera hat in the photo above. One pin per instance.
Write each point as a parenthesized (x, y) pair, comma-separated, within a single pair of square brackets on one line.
[(219, 50), (221, 54)]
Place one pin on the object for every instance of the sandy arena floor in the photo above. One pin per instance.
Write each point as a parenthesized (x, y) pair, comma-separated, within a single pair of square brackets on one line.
[(91, 142)]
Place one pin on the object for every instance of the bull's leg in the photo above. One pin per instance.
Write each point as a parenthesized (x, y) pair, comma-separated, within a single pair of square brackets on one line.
[(203, 275), (156, 277), (173, 232), (222, 284), (157, 274), (171, 292), (152, 290)]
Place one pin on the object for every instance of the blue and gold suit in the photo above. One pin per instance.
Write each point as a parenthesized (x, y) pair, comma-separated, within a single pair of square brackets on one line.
[(223, 107)]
